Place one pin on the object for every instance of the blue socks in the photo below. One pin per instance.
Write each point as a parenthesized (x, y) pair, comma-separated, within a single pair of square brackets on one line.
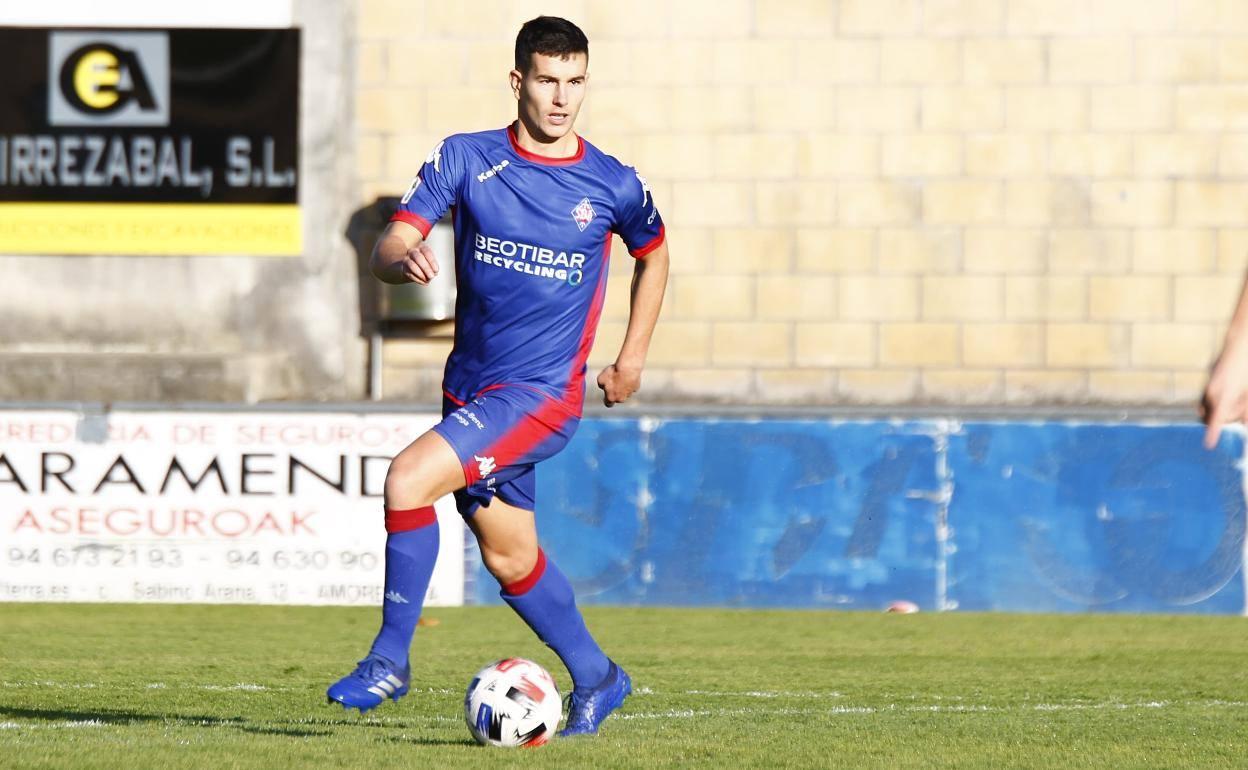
[(545, 601), (411, 551)]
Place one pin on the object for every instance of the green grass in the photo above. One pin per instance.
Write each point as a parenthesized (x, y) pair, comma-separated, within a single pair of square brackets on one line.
[(183, 686)]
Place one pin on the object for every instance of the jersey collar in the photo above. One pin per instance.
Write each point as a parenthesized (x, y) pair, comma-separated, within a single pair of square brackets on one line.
[(542, 159)]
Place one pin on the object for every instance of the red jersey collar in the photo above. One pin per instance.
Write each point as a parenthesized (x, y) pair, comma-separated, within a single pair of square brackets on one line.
[(542, 159)]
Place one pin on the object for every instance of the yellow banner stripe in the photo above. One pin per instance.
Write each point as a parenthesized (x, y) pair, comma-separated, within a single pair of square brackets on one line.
[(267, 230)]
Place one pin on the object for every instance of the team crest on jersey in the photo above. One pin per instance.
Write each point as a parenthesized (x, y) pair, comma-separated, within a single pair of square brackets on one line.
[(583, 214)]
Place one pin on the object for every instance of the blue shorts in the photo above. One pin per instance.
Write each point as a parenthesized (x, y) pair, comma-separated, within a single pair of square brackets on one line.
[(500, 436)]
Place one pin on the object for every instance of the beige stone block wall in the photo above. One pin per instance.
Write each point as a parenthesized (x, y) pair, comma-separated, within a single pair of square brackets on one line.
[(879, 201)]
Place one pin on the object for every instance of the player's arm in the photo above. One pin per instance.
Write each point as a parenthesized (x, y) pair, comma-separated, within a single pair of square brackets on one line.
[(402, 256), (1226, 396), (623, 378)]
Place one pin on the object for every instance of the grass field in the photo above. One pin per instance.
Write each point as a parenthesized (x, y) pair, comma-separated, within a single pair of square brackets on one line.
[(182, 686)]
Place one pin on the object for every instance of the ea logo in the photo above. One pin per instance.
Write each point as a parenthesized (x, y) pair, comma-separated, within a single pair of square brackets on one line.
[(101, 78), (108, 78)]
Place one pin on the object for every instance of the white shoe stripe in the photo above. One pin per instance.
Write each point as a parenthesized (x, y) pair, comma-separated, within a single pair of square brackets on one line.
[(394, 680), (379, 692), (383, 684)]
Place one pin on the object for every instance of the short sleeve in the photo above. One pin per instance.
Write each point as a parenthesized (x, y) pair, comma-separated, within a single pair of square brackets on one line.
[(637, 220), (434, 189)]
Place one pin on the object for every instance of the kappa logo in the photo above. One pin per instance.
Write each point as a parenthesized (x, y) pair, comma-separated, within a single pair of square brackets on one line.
[(411, 190), (484, 175), (396, 597), (435, 157), (485, 465), (645, 188), (583, 214)]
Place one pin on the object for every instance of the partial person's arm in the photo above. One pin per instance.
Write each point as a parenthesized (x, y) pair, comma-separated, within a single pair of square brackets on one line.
[(623, 378), (1226, 396), (402, 256)]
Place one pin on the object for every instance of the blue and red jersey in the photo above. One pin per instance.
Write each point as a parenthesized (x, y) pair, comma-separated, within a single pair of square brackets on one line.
[(532, 243)]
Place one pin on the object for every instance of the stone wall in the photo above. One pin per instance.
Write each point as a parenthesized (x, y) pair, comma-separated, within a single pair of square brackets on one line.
[(879, 201)]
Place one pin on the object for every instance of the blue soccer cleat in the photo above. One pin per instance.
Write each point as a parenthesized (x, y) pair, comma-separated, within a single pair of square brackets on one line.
[(372, 681), (587, 708)]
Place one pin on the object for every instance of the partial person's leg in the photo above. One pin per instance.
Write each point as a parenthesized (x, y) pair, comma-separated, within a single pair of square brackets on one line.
[(418, 476), (423, 472), (535, 588)]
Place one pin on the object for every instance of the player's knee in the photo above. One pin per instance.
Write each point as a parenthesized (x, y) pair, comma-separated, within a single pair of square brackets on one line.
[(509, 566), (408, 483)]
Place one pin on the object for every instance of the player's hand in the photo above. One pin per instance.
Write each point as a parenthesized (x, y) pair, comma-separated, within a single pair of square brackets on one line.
[(1226, 396), (420, 265), (618, 383)]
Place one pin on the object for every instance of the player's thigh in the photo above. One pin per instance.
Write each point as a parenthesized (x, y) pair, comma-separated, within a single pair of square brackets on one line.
[(507, 536), (423, 472)]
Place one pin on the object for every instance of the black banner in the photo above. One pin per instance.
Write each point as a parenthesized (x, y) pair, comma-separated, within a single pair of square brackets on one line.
[(149, 115)]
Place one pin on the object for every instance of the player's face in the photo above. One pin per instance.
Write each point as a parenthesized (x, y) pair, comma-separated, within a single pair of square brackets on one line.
[(550, 94)]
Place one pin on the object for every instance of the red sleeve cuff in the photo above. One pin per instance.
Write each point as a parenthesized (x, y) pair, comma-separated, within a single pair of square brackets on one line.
[(657, 241), (415, 220)]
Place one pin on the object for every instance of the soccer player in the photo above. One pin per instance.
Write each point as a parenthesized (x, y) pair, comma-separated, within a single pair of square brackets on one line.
[(1226, 395), (534, 206)]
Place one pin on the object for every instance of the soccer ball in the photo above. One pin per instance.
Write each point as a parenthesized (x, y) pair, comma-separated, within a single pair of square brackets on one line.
[(512, 702)]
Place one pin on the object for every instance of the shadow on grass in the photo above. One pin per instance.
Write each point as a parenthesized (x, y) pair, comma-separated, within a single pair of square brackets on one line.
[(114, 716), (123, 717)]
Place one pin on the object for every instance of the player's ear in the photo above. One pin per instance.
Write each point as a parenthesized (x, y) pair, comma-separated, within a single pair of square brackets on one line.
[(516, 76)]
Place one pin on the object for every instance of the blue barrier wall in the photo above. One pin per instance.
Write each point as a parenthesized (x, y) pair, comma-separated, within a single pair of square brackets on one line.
[(1054, 517)]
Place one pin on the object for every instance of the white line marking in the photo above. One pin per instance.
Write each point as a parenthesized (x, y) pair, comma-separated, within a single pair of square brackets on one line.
[(953, 709), (435, 691), (62, 685), (958, 706), (758, 694)]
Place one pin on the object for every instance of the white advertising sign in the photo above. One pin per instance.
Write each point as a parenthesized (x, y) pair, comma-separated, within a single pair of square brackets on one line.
[(214, 507)]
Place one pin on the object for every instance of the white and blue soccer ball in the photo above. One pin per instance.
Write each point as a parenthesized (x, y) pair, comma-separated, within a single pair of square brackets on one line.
[(513, 702)]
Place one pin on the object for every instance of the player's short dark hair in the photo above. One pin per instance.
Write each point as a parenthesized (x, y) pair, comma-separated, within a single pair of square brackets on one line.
[(549, 36)]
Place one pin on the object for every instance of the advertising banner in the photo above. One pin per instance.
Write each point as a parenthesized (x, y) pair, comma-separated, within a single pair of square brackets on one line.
[(1027, 516), (175, 141), (215, 507)]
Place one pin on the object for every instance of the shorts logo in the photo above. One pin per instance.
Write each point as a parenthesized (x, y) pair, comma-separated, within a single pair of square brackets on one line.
[(472, 417), (108, 78), (485, 465), (583, 214)]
